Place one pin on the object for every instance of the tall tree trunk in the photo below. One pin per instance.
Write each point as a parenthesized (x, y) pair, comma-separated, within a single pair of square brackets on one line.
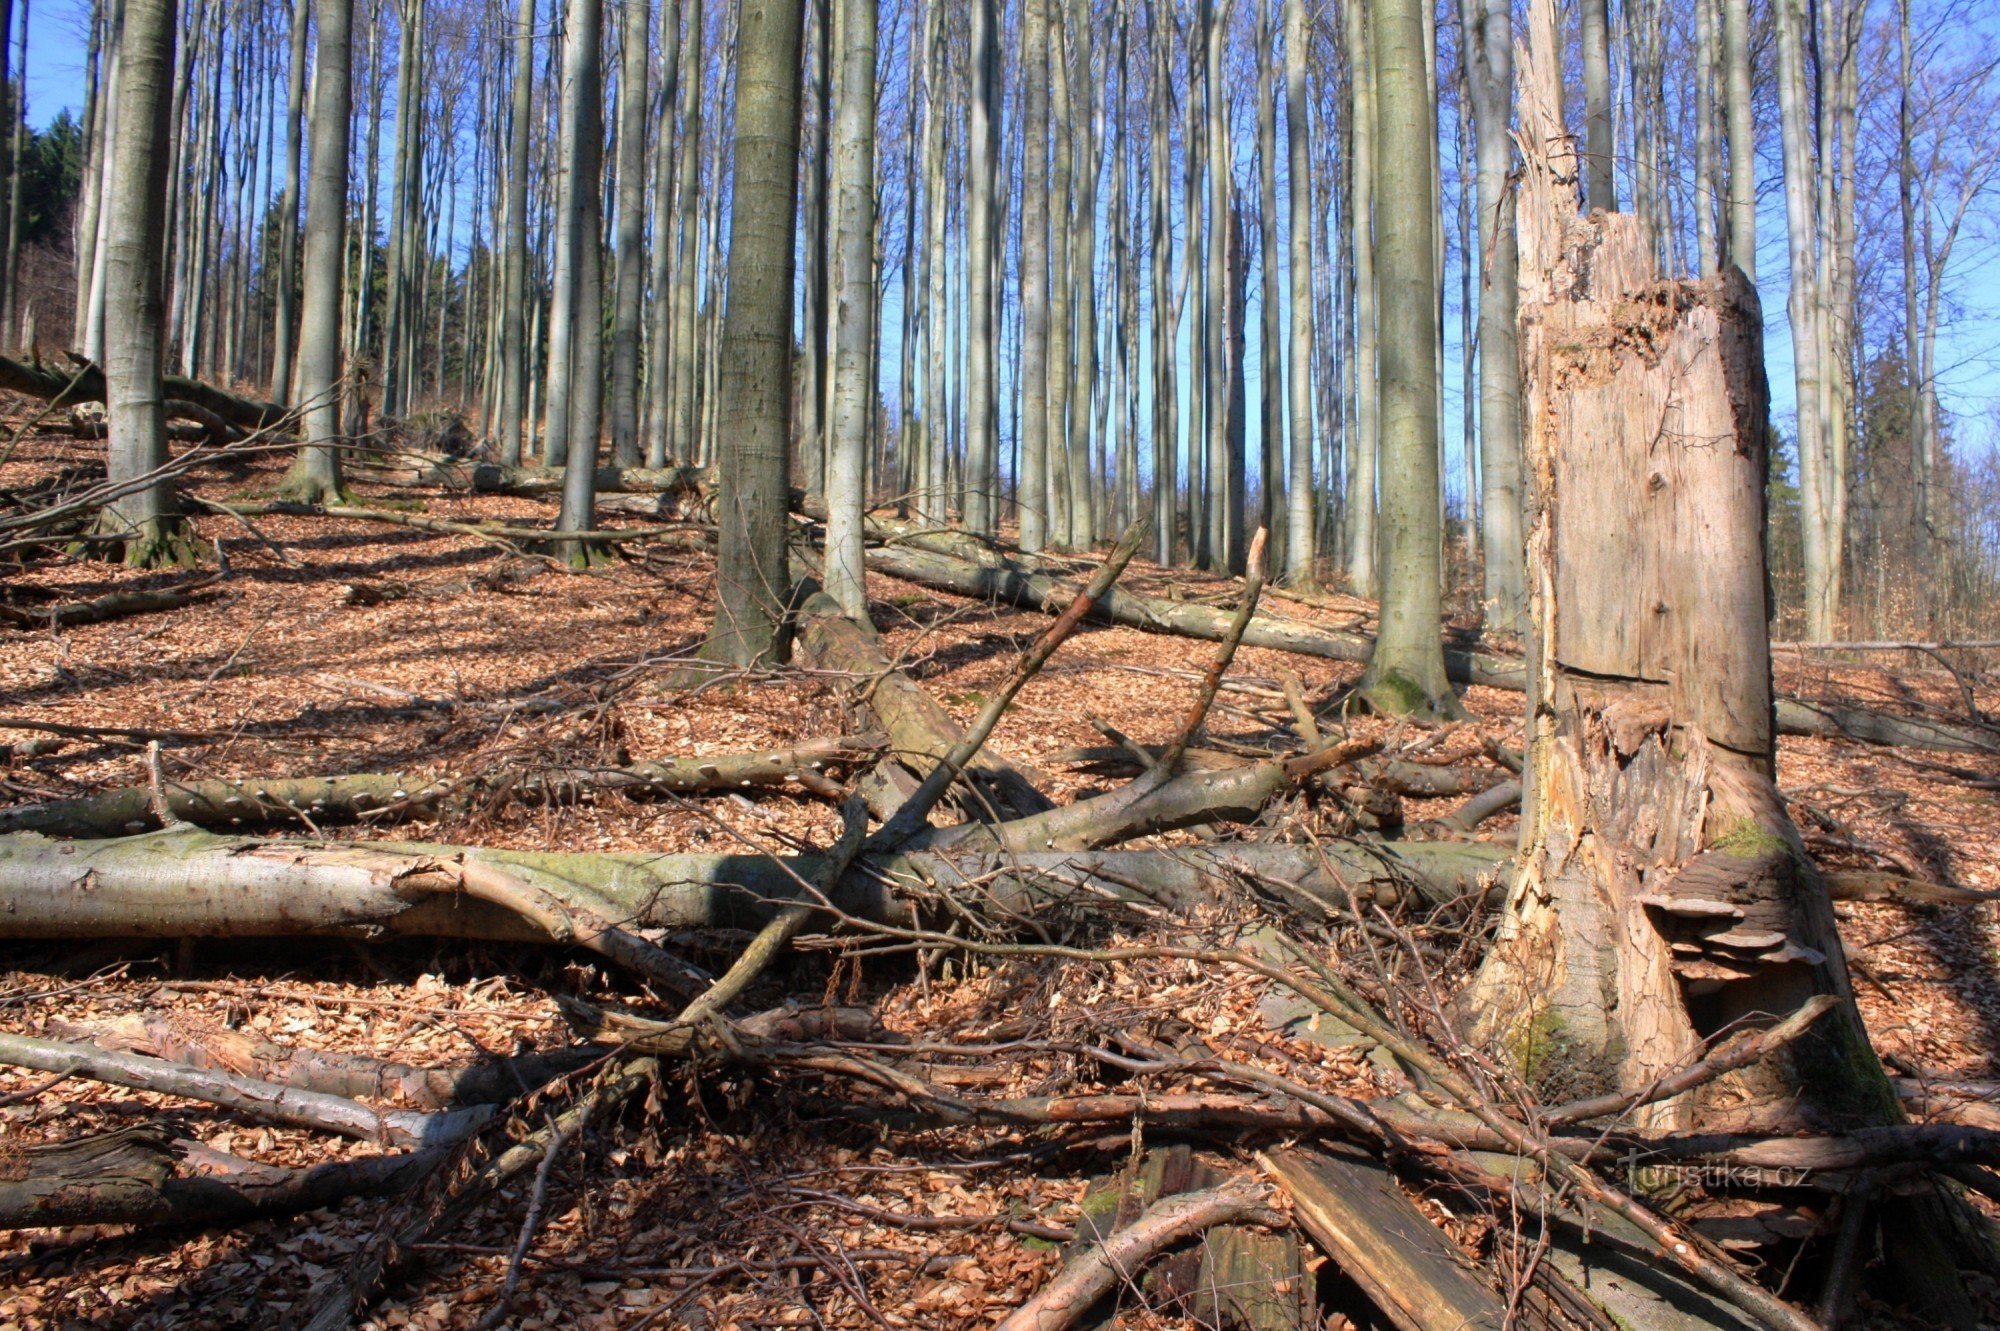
[(1166, 312), (403, 207), (1802, 223), (316, 474), (1489, 57), (1600, 145), (854, 281), (1081, 284), (630, 290), (514, 249), (1271, 375), (91, 327), (1406, 672), (1707, 172), (1062, 314), (1300, 548), (1225, 511), (659, 352), (752, 480), (284, 333), (135, 311), (1740, 238), (1364, 432), (10, 308), (1919, 434), (687, 445), (936, 310), (1032, 478), (581, 221), (982, 413)]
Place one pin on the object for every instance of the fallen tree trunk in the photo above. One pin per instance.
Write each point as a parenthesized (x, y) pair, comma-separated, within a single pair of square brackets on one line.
[(140, 1176), (1150, 805), (1001, 580), (350, 1076), (363, 795), (920, 731), (86, 384), (191, 884), (261, 1101)]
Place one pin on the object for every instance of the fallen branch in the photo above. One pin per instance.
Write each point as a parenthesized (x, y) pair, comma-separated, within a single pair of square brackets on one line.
[(262, 1101), (86, 384), (350, 1076), (140, 1176), (372, 796), (1005, 581), (112, 605), (1117, 1259)]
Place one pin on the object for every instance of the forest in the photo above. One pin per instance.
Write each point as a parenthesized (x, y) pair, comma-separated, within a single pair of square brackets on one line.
[(1260, 665)]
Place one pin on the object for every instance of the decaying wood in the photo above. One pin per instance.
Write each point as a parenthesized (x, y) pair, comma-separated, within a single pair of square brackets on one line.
[(203, 1045), (259, 1100), (141, 1176), (111, 605), (1008, 582), (85, 383), (375, 796), (920, 731), (1118, 1258), (1361, 1219), (191, 884)]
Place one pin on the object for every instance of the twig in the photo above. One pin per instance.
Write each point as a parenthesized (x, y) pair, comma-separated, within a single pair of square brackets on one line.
[(916, 810), (1099, 1269), (1253, 588)]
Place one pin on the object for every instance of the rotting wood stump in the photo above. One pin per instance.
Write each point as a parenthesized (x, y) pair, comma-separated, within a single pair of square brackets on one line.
[(1664, 894)]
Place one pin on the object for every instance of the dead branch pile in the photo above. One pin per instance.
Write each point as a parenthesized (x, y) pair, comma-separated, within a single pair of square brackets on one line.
[(1200, 862)]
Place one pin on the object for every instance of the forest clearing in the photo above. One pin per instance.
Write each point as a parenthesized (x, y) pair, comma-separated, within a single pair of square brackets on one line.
[(712, 664)]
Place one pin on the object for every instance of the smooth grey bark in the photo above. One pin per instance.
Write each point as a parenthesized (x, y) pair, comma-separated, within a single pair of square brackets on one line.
[(1032, 480), (135, 332), (514, 249), (91, 325), (1406, 673), (1166, 312), (1707, 172), (659, 352), (686, 444), (581, 221), (1270, 385), (1802, 223), (854, 364), (315, 476), (1599, 145), (10, 334), (1081, 283), (982, 398), (629, 294), (83, 237), (403, 206), (1300, 548), (752, 480), (1055, 402), (1364, 430), (284, 335), (561, 326), (1490, 78), (1224, 508), (932, 483), (1740, 237)]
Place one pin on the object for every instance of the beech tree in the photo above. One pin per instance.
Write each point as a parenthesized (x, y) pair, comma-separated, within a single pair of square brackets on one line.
[(1406, 672), (752, 485), (144, 521)]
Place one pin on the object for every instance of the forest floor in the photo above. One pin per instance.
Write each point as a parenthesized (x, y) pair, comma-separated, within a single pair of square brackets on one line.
[(741, 1200)]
